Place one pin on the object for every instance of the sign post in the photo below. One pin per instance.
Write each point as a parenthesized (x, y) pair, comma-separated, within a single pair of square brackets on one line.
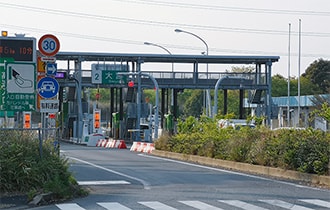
[(48, 86)]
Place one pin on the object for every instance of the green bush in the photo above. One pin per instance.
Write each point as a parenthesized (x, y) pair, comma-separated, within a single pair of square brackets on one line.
[(23, 170), (307, 150)]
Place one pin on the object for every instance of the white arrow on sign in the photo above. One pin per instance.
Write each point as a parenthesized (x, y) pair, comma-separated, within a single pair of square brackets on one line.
[(51, 68)]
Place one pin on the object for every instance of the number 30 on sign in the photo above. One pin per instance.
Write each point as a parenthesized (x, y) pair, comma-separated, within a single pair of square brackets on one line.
[(49, 45)]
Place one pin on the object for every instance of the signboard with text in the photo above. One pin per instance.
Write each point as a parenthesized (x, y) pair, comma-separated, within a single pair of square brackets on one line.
[(17, 73), (108, 74), (18, 48), (18, 92)]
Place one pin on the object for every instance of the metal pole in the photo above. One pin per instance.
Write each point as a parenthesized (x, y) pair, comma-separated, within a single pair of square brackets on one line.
[(79, 102), (157, 95), (289, 60), (138, 98), (215, 108), (299, 61), (169, 52), (208, 96)]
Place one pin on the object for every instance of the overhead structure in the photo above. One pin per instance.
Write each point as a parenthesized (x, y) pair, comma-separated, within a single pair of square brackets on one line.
[(257, 82)]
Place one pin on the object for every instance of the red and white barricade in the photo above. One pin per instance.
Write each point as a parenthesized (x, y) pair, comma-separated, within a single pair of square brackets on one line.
[(142, 147)]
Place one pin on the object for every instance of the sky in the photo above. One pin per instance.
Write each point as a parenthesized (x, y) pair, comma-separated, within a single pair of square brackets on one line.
[(229, 27)]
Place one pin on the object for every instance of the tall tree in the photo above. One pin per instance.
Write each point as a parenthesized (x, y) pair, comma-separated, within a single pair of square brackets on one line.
[(319, 73)]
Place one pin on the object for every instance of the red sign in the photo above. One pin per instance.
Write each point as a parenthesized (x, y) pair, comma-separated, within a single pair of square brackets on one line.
[(49, 45), (52, 116)]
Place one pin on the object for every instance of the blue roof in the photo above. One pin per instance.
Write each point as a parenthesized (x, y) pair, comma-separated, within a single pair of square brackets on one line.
[(305, 101)]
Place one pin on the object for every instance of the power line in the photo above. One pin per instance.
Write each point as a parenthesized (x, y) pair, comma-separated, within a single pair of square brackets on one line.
[(158, 23), (123, 41), (231, 9)]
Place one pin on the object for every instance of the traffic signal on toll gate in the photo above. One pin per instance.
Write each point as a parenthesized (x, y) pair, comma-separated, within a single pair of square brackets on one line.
[(130, 84)]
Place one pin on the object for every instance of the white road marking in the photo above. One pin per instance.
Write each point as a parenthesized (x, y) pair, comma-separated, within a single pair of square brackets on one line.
[(285, 205), (317, 202), (145, 184), (113, 206), (157, 205), (103, 182), (69, 206), (241, 204), (200, 205)]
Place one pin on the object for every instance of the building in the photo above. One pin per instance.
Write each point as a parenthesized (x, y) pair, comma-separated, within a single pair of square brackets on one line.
[(281, 107)]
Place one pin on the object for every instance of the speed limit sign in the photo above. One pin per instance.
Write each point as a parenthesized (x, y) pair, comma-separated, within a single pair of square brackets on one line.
[(48, 45)]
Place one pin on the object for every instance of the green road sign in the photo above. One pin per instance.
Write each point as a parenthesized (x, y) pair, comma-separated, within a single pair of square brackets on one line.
[(18, 86), (112, 77)]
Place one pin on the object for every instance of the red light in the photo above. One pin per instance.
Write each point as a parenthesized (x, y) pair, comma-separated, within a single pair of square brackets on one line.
[(97, 96), (51, 116), (130, 84)]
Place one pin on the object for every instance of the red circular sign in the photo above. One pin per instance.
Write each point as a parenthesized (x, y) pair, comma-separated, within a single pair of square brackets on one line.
[(49, 45)]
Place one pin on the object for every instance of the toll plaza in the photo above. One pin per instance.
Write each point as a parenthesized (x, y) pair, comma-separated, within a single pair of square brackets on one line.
[(127, 75)]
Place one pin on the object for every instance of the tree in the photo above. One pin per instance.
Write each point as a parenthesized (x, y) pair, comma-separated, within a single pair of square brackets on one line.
[(279, 86), (319, 73), (193, 105)]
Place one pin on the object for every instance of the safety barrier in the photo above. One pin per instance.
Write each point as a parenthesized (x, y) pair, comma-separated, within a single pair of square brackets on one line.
[(111, 143), (142, 147)]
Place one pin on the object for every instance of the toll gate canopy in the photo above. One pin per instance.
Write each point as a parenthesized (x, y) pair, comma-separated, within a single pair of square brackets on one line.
[(200, 72)]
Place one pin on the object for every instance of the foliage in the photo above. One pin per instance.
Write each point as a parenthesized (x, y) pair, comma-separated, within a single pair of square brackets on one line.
[(193, 105), (324, 112), (319, 74), (22, 170), (296, 149), (280, 86)]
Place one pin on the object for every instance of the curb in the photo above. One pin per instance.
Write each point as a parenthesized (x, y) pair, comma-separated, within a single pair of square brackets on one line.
[(249, 168)]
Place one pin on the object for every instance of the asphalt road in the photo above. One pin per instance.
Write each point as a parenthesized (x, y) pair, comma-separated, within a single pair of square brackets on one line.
[(122, 180)]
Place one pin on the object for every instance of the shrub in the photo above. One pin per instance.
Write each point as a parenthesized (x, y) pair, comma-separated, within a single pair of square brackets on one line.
[(302, 150), (24, 171)]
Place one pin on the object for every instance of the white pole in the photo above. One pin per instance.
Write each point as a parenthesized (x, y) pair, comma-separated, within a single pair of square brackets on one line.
[(299, 61), (289, 60)]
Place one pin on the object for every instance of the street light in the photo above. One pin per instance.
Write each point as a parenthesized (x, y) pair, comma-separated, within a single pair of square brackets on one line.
[(156, 45), (198, 37), (169, 52), (208, 96)]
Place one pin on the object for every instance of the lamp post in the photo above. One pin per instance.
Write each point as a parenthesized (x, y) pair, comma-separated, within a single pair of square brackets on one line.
[(208, 97), (169, 52), (156, 45)]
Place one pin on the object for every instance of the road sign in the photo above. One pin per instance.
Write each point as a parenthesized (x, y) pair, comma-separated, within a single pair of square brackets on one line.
[(49, 106), (17, 91), (17, 73), (112, 77), (48, 87), (49, 45), (108, 73), (48, 59), (51, 69), (18, 48)]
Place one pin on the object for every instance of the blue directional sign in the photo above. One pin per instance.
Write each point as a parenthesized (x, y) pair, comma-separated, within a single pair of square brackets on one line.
[(51, 69), (48, 87)]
